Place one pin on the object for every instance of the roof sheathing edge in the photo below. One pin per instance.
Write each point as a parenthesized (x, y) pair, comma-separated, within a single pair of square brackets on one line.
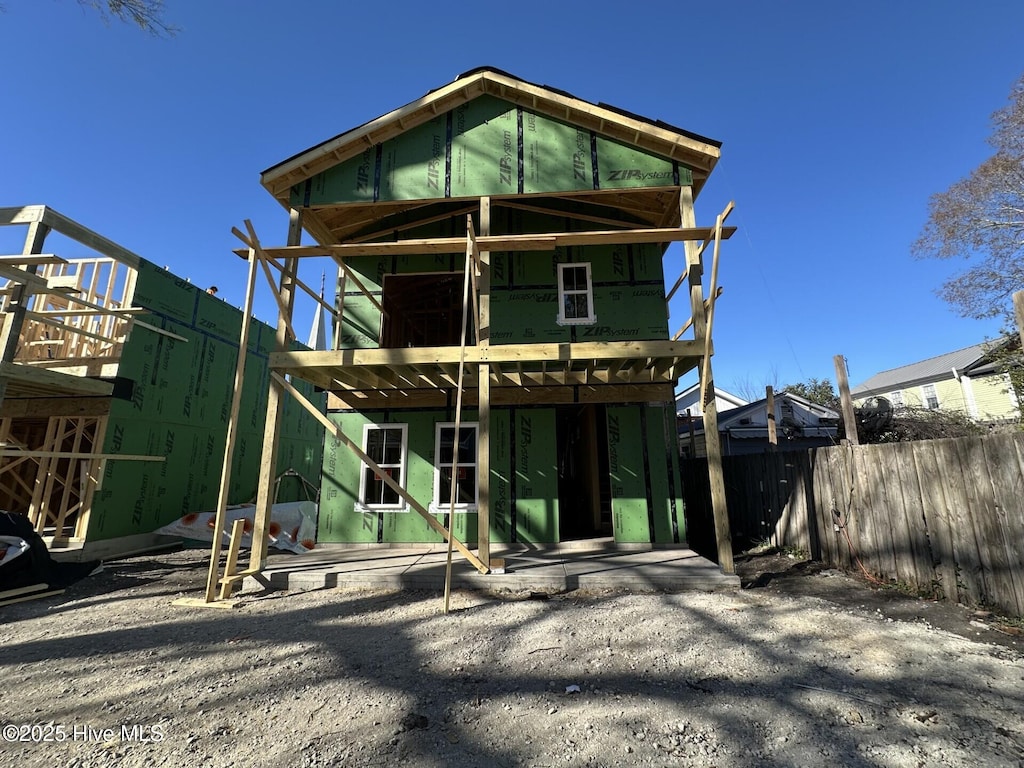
[(642, 134)]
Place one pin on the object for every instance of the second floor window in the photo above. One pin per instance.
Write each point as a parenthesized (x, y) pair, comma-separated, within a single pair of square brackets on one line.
[(575, 295)]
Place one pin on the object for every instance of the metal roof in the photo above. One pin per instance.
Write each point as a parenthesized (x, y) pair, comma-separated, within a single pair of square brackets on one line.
[(932, 369)]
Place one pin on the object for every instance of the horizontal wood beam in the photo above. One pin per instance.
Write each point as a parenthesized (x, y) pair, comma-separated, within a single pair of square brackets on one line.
[(34, 407), (540, 242), (13, 452), (544, 352), (49, 380), (517, 395), (29, 259)]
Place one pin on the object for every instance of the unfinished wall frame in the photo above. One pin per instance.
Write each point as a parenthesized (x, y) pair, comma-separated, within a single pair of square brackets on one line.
[(113, 390)]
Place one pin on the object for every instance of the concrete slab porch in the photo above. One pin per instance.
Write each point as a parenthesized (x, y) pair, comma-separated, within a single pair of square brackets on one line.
[(555, 569)]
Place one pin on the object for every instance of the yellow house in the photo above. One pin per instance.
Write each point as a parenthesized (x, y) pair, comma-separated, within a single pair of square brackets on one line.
[(967, 380)]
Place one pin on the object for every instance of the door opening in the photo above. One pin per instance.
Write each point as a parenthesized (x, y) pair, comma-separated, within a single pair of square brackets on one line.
[(584, 487)]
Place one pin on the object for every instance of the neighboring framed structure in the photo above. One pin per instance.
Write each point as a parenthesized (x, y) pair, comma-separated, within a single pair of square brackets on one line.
[(115, 395)]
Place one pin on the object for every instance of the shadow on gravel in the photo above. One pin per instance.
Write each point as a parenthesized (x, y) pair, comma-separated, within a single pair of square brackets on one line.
[(452, 672)]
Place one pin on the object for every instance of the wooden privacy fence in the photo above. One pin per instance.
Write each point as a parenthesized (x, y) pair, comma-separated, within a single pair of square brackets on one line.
[(937, 515)]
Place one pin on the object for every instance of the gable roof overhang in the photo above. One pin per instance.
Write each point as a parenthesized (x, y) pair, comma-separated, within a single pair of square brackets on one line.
[(652, 206)]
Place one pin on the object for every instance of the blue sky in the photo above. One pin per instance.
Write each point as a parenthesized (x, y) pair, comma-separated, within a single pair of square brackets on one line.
[(838, 121)]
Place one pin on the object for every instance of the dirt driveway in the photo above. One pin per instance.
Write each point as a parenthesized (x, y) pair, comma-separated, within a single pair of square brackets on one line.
[(806, 668)]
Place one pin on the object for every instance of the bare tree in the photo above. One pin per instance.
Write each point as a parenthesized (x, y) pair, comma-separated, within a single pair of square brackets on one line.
[(752, 388), (981, 218), (148, 15)]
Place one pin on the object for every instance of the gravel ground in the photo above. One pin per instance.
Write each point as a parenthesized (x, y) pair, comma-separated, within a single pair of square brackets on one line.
[(805, 668)]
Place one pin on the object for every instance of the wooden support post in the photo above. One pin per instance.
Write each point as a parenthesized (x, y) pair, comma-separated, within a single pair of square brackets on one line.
[(701, 335), (454, 483), (773, 435), (275, 405), (339, 313), (713, 443), (231, 565), (712, 293), (718, 233), (232, 430), (284, 311), (36, 509), (849, 418), (93, 473), (484, 395)]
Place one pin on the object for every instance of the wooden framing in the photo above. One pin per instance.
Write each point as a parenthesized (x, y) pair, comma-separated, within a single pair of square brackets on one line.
[(229, 448), (481, 374), (51, 469), (64, 320)]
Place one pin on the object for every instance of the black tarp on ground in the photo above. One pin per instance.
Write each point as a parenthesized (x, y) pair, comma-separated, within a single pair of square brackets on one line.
[(35, 565)]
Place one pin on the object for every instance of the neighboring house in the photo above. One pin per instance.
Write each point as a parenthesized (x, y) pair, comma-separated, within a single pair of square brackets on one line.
[(567, 425), (114, 402), (799, 424), (688, 402), (966, 380)]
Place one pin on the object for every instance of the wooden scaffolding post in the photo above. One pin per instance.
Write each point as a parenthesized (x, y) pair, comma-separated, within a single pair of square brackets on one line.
[(483, 339), (275, 405), (773, 433), (713, 445), (232, 431), (454, 484)]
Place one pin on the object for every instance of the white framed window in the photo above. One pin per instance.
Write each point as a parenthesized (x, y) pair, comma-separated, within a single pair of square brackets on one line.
[(575, 295), (387, 445), (929, 396), (464, 454), (896, 398)]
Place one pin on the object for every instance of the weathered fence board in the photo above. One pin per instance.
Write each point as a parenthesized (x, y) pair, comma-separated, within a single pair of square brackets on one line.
[(936, 512), (1005, 478), (908, 489), (942, 513)]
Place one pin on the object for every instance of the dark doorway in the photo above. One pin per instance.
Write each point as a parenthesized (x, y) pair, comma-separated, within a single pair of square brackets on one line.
[(422, 310), (584, 487)]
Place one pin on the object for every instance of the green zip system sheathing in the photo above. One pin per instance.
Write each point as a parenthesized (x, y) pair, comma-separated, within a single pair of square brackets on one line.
[(645, 485), (487, 147), (179, 406), (628, 289), (645, 490)]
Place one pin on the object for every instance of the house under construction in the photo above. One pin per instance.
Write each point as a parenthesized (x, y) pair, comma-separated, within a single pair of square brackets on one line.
[(115, 387), (502, 365)]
